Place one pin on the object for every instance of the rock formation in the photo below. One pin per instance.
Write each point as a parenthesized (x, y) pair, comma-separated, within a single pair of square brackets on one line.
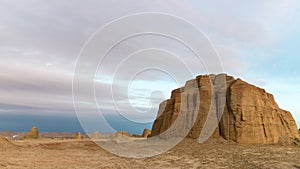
[(96, 135), (249, 114), (33, 133), (146, 133), (123, 133), (77, 136)]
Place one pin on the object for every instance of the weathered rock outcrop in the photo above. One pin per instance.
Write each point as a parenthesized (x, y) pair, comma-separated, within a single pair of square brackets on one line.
[(123, 133), (33, 133), (77, 136), (246, 114), (146, 133), (96, 135)]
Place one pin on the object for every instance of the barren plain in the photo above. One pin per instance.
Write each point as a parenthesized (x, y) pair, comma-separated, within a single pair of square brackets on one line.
[(62, 154)]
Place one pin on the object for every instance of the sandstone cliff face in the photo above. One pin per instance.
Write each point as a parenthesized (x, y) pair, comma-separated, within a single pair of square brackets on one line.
[(246, 114)]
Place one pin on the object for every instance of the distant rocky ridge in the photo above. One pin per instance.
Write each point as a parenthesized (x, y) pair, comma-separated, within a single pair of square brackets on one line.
[(250, 114), (53, 135)]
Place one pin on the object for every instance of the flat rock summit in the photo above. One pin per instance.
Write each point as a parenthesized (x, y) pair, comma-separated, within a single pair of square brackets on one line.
[(246, 114)]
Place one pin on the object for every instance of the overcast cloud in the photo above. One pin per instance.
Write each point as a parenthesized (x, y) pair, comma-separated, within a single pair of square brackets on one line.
[(40, 41)]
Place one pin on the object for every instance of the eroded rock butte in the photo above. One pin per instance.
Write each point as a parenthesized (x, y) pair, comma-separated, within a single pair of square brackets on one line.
[(246, 114)]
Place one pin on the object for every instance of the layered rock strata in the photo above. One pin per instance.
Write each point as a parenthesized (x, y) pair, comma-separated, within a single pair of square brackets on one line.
[(222, 106)]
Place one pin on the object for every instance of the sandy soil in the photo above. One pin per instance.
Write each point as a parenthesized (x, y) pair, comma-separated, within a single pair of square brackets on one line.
[(46, 153)]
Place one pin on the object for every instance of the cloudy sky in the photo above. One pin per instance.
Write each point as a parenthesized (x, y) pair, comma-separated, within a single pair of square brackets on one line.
[(41, 40)]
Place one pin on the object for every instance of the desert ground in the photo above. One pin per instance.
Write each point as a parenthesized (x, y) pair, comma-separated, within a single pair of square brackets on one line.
[(62, 154)]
